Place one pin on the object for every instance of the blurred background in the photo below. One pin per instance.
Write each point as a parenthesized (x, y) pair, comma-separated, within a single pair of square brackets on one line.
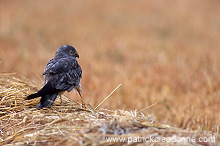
[(160, 51)]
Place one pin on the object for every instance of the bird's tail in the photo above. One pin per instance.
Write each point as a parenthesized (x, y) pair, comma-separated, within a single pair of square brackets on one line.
[(47, 89), (32, 96), (47, 100)]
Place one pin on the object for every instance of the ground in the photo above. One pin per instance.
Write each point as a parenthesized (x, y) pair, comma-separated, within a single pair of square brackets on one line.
[(67, 123)]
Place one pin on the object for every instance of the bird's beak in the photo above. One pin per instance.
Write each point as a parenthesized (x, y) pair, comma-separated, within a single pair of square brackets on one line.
[(77, 55)]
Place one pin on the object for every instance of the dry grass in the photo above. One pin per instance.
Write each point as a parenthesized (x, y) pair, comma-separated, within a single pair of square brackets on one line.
[(69, 124), (163, 52)]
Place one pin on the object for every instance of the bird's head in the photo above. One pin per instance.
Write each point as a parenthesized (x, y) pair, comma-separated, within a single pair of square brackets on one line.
[(67, 50)]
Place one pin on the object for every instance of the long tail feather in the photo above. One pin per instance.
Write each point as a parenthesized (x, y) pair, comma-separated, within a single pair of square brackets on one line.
[(32, 96), (47, 100), (47, 89)]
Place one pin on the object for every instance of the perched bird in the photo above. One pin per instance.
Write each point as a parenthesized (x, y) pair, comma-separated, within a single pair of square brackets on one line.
[(62, 73)]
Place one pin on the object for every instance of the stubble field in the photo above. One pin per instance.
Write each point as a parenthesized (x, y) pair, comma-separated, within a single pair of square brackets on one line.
[(160, 51)]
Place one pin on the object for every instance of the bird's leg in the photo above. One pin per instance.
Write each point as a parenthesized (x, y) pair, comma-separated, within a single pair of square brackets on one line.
[(61, 101), (83, 103)]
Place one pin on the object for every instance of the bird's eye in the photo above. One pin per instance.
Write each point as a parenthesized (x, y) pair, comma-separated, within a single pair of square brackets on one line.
[(71, 52)]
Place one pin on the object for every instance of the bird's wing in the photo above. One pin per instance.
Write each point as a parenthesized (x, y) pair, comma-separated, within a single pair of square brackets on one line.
[(63, 74), (56, 66), (70, 78)]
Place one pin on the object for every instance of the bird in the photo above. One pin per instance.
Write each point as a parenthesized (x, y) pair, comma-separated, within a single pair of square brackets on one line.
[(62, 73)]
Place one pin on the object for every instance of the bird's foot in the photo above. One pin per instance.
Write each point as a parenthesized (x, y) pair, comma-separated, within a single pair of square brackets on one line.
[(83, 103)]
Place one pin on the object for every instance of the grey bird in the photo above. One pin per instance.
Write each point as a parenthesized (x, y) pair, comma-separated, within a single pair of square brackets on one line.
[(62, 73)]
